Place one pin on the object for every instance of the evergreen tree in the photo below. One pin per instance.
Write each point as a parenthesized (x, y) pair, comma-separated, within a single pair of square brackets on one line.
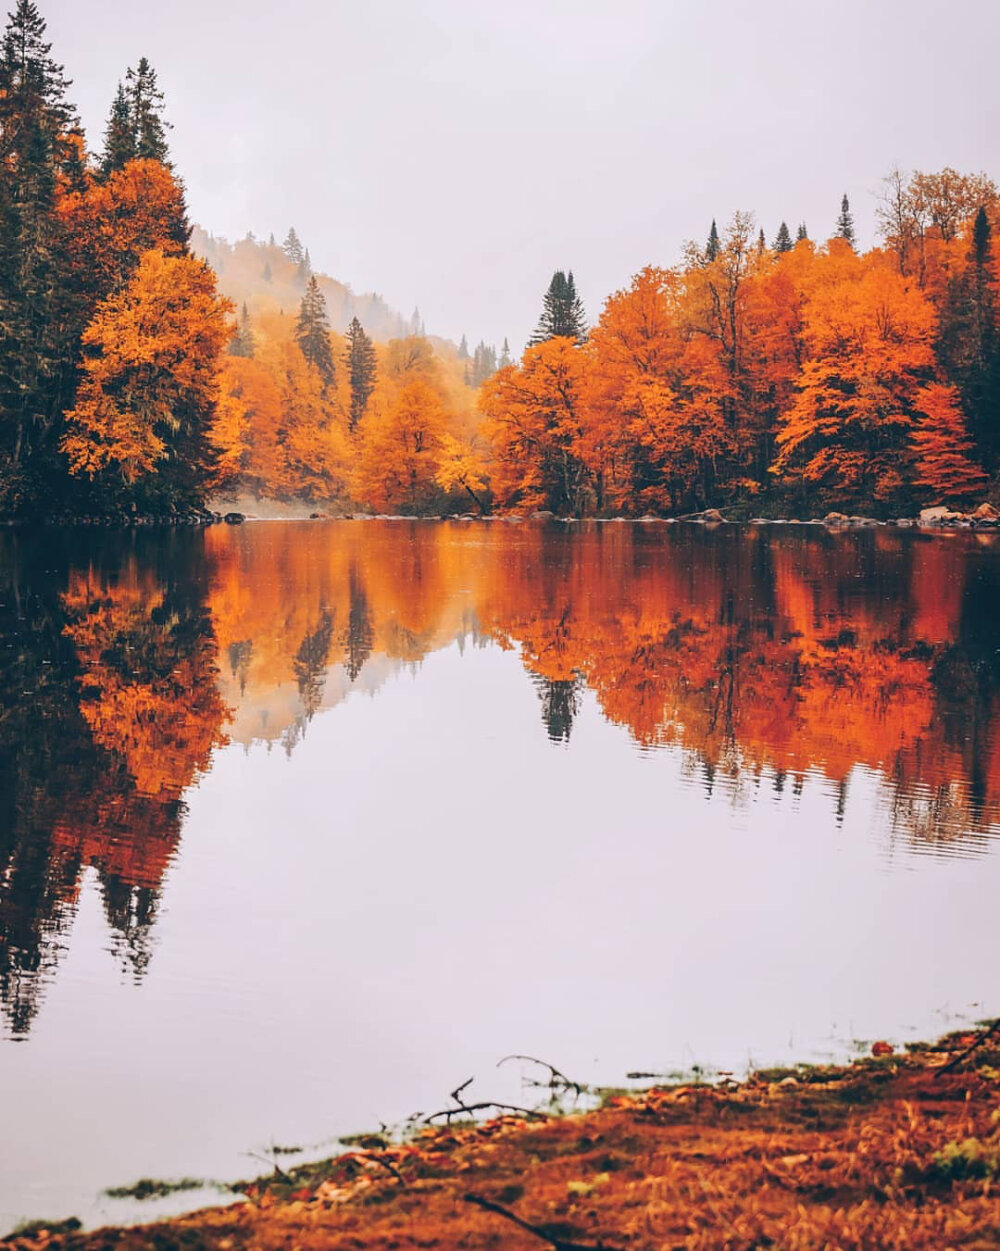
[(845, 223), (712, 247), (312, 332), (119, 135), (801, 233), (243, 342), (305, 268), (505, 357), (484, 364), (969, 342), (268, 276), (463, 349), (562, 311), (783, 239), (36, 360), (360, 360), (761, 242), (292, 248), (145, 102), (271, 241)]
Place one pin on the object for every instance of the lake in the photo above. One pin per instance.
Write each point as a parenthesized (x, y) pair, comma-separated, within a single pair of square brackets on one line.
[(303, 824)]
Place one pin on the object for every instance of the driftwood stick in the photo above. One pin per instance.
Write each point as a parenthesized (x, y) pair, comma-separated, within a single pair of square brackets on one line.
[(537, 1230), (482, 1107)]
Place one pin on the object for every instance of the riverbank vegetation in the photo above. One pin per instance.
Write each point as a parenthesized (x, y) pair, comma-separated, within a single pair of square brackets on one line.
[(778, 377), (899, 1150)]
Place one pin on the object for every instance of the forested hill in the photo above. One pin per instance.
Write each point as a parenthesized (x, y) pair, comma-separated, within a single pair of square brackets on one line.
[(272, 276)]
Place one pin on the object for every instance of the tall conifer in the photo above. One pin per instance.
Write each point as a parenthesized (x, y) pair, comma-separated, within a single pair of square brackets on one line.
[(845, 223), (312, 332), (360, 360)]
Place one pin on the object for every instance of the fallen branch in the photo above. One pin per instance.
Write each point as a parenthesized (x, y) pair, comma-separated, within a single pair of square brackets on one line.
[(537, 1230), (557, 1080), (278, 1170), (482, 1107), (964, 1055)]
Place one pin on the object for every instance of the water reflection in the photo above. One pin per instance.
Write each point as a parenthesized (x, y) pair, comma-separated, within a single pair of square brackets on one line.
[(760, 656)]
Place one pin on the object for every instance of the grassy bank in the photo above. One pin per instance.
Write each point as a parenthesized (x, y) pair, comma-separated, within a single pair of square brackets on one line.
[(896, 1150)]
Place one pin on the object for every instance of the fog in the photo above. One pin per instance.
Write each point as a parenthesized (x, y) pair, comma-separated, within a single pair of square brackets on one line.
[(450, 154)]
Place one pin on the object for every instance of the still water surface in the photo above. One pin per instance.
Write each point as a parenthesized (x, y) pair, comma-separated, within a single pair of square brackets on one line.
[(303, 824)]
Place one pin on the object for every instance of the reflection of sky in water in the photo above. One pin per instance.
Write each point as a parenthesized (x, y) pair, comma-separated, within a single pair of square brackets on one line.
[(426, 882)]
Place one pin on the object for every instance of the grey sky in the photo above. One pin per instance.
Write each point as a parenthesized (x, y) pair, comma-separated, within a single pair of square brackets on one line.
[(452, 153)]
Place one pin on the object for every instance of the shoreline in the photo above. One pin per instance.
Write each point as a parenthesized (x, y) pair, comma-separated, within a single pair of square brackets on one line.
[(898, 1149)]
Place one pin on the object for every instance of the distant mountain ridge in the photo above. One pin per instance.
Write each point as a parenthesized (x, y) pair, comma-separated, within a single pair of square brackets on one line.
[(262, 275)]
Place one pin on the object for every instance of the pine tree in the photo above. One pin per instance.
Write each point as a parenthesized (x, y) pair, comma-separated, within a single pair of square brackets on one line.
[(845, 223), (146, 111), (292, 248), (712, 247), (463, 349), (271, 241), (119, 135), (243, 341), (484, 364), (562, 311), (312, 333), (36, 361), (969, 341), (360, 360), (305, 269), (783, 239), (505, 357), (801, 233), (267, 275), (761, 242)]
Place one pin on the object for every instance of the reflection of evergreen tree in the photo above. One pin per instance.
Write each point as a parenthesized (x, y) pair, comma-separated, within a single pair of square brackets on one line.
[(311, 662), (360, 635), (90, 775), (561, 701)]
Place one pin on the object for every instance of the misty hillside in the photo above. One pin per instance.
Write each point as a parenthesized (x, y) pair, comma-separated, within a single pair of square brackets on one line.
[(265, 276)]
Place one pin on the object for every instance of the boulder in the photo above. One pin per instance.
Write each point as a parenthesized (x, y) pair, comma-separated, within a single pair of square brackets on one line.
[(937, 516), (542, 514), (836, 519), (234, 519), (986, 512)]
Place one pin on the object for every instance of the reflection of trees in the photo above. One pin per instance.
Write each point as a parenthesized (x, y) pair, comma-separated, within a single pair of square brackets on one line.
[(758, 658), (109, 710), (745, 650)]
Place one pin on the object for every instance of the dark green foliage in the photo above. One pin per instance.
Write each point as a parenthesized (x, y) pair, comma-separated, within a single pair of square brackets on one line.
[(801, 233), (146, 108), (505, 357), (712, 247), (562, 312), (845, 223), (360, 360), (35, 127), (243, 343), (761, 242), (463, 349), (783, 239), (969, 343), (313, 333), (119, 135)]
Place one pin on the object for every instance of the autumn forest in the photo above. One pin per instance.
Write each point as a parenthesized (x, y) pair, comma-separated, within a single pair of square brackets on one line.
[(146, 368)]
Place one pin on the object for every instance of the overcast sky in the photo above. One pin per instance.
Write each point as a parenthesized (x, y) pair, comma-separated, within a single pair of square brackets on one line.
[(452, 153)]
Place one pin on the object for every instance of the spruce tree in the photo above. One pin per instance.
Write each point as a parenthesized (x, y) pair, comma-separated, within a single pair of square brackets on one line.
[(783, 239), (463, 349), (712, 247), (801, 233), (845, 223), (761, 242), (243, 342), (267, 275), (505, 357), (36, 358), (312, 333), (119, 135), (146, 108), (305, 270), (292, 248), (562, 311), (360, 360)]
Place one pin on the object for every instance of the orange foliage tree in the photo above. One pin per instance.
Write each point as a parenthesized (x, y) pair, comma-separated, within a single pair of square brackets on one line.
[(535, 424), (401, 445), (140, 426)]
